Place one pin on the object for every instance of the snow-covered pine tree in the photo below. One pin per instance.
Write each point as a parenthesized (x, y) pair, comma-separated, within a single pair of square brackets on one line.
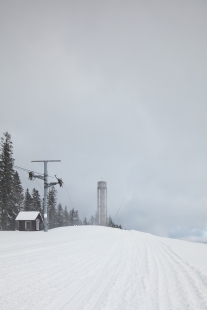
[(110, 222), (6, 183), (85, 222), (71, 217), (65, 217), (96, 219), (59, 215), (28, 201), (36, 201), (92, 220), (18, 196), (76, 218), (51, 208)]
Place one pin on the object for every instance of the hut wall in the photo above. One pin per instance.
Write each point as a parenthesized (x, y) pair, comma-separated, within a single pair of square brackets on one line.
[(33, 224), (21, 225)]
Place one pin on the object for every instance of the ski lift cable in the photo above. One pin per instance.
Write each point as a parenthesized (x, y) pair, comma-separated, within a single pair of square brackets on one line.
[(119, 208), (68, 194), (39, 184), (26, 170), (20, 168)]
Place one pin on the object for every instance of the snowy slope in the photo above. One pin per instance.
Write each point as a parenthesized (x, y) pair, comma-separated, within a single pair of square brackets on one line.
[(90, 267)]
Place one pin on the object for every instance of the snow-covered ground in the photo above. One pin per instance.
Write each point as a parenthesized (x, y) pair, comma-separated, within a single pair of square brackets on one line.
[(89, 267)]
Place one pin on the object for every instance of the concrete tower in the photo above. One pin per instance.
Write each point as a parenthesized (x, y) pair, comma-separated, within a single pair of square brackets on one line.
[(102, 202)]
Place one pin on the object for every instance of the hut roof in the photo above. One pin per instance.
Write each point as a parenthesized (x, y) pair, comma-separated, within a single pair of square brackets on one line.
[(27, 215)]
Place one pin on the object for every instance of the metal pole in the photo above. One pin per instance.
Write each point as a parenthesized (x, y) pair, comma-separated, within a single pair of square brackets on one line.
[(45, 188), (98, 207), (106, 207), (45, 195)]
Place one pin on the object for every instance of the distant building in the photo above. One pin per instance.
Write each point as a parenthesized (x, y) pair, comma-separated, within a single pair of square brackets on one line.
[(29, 221), (102, 202)]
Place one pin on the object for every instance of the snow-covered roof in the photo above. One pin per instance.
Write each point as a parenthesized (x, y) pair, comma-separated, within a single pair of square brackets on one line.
[(27, 215)]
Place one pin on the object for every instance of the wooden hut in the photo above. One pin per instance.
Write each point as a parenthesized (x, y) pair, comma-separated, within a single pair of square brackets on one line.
[(30, 221)]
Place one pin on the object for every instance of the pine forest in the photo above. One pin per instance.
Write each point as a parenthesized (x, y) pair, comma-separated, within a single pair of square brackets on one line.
[(14, 199)]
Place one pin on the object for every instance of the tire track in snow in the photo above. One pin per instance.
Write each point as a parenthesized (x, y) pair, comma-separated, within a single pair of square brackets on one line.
[(172, 283), (108, 283), (87, 290), (167, 282), (137, 275), (56, 273), (191, 281), (127, 280), (116, 270)]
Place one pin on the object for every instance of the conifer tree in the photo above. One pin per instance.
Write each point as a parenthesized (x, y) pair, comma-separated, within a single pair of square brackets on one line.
[(36, 201), (71, 217), (111, 224), (28, 202), (96, 218), (59, 215), (85, 222), (74, 218), (51, 208), (65, 217), (18, 197), (18, 194), (6, 183), (92, 220)]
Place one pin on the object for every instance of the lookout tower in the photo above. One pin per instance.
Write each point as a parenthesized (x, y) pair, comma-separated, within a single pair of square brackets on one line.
[(102, 202)]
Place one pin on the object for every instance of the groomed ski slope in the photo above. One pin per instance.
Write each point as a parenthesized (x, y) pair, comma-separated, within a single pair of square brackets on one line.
[(89, 267)]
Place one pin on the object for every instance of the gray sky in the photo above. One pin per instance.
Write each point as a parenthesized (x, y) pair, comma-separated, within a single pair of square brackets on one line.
[(116, 90)]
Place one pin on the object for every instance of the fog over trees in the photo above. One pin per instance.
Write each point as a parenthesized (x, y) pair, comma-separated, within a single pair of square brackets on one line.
[(13, 199)]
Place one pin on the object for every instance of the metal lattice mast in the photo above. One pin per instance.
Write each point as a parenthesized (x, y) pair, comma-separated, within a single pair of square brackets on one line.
[(46, 185)]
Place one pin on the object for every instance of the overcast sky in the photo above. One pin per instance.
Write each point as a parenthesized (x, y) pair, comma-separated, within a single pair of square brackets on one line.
[(117, 90)]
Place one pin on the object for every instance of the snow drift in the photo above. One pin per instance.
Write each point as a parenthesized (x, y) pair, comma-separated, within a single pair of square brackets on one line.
[(89, 267)]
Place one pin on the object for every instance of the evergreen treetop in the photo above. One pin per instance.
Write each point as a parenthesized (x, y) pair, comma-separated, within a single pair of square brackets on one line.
[(36, 201), (6, 183), (51, 208), (28, 203)]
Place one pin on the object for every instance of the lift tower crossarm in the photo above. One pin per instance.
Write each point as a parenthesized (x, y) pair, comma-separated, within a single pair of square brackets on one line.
[(46, 185), (37, 161)]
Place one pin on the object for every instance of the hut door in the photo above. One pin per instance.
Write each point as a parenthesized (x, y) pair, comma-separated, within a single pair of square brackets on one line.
[(37, 224), (27, 225)]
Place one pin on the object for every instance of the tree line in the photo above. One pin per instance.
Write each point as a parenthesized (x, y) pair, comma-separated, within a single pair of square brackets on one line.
[(13, 199)]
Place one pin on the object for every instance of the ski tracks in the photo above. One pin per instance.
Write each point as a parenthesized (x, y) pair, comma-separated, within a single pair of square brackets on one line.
[(172, 283), (100, 269)]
